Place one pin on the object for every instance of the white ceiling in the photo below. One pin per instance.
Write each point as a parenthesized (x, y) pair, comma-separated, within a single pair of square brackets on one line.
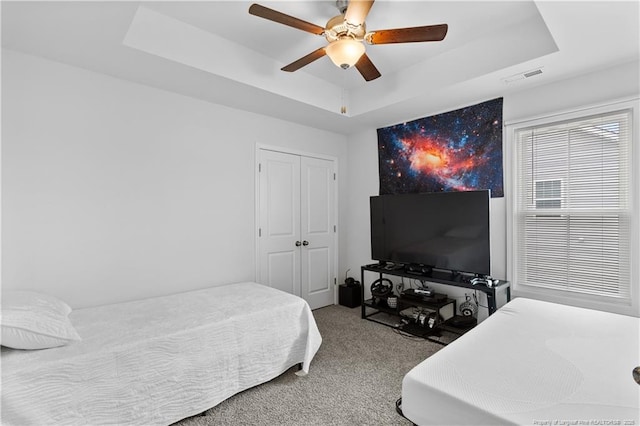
[(216, 51)]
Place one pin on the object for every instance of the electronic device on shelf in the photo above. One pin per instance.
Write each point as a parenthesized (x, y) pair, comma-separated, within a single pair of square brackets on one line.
[(439, 230), (421, 316), (469, 308), (488, 281), (382, 287), (393, 266), (424, 295), (461, 321), (419, 269), (423, 291)]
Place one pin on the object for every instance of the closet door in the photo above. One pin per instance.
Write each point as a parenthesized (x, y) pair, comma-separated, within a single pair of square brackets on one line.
[(296, 237), (279, 212), (317, 196)]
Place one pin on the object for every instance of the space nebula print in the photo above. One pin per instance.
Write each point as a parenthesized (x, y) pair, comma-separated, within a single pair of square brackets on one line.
[(459, 150)]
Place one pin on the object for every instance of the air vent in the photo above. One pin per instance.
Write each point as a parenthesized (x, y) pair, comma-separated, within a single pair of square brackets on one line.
[(532, 73), (523, 75)]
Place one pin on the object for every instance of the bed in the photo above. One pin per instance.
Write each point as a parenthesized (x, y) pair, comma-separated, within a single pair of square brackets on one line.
[(159, 360), (531, 362)]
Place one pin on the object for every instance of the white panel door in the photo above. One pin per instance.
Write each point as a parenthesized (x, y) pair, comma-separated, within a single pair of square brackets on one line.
[(279, 212), (296, 211), (318, 233)]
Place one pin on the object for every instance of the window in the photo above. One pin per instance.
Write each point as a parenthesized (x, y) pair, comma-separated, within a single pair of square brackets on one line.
[(548, 194), (572, 208)]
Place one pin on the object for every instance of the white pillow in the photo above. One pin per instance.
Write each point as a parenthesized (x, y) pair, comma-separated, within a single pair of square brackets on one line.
[(32, 320)]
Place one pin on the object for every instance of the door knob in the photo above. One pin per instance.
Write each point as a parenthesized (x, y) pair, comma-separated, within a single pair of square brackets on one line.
[(298, 243), (305, 243)]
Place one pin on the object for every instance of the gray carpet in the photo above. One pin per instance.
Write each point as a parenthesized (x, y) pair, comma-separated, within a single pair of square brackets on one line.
[(354, 379)]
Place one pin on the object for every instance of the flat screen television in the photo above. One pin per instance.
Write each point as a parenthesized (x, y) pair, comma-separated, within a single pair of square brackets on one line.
[(440, 230)]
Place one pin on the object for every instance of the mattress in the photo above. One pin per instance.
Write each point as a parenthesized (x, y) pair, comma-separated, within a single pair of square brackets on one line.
[(531, 362), (159, 360)]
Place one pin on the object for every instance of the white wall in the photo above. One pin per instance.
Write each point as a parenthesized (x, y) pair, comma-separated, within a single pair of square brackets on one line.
[(608, 84), (114, 191)]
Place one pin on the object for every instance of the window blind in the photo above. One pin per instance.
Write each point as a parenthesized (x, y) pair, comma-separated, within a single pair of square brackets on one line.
[(572, 205)]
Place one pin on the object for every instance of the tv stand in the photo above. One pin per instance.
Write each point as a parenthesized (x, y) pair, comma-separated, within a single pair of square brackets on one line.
[(445, 277)]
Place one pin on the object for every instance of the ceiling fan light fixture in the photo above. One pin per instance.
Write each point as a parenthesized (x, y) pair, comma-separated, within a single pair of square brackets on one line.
[(346, 34), (345, 52)]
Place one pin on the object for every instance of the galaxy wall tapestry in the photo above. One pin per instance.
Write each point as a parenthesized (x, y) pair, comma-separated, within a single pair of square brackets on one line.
[(459, 150)]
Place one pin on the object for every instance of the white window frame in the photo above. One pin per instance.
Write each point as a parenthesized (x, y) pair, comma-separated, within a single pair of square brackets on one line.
[(631, 307)]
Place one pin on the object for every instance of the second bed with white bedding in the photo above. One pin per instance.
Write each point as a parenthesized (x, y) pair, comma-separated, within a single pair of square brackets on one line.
[(532, 362)]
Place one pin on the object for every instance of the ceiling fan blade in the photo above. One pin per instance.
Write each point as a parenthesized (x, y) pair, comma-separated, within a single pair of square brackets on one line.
[(305, 60), (281, 18), (357, 11), (367, 69), (408, 35)]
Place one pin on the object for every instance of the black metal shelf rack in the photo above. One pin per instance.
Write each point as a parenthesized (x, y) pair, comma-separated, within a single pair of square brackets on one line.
[(374, 307)]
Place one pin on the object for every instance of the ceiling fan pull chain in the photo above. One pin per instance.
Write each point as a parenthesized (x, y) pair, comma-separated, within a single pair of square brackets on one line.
[(343, 107)]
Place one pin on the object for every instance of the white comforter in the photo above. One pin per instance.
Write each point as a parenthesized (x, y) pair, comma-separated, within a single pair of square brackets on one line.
[(159, 360)]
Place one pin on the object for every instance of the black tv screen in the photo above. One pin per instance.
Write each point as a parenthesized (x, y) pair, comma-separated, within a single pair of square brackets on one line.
[(441, 230)]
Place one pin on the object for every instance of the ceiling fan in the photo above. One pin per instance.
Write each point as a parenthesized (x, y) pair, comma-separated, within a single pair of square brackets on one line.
[(346, 34)]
